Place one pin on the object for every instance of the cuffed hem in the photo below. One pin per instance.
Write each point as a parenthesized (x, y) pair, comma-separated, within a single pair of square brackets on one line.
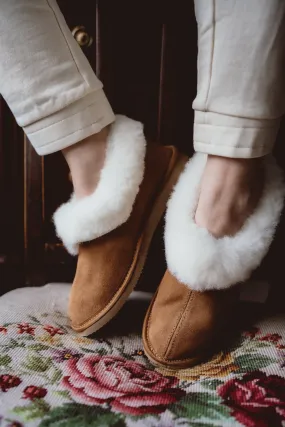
[(235, 137), (66, 127)]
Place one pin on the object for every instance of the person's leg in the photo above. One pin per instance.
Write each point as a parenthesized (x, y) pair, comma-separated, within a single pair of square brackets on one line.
[(230, 191), (86, 160), (239, 103), (222, 215), (51, 88), (121, 184)]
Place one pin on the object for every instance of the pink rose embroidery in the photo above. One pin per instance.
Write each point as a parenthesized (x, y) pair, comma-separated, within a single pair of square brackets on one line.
[(127, 385), (274, 338), (256, 399)]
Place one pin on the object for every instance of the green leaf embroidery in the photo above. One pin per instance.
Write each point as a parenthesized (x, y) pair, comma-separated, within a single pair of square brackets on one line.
[(58, 314), (102, 351), (16, 343), (211, 384), (87, 350), (63, 393), (37, 363), (56, 376), (36, 409), (201, 424), (27, 337), (34, 319), (5, 360), (262, 344), (251, 362), (75, 415), (37, 347), (195, 406)]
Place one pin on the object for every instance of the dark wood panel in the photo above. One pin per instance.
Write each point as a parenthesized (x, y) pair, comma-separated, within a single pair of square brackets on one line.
[(59, 266), (11, 196), (273, 268), (178, 78), (34, 216), (129, 38)]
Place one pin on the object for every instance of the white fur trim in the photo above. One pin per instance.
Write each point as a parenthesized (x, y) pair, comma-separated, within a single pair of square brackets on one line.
[(201, 261), (111, 203)]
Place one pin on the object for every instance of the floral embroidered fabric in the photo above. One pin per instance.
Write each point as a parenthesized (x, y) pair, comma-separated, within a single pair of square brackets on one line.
[(49, 377)]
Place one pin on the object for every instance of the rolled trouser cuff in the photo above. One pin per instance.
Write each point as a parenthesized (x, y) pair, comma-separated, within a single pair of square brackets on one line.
[(228, 136), (72, 124)]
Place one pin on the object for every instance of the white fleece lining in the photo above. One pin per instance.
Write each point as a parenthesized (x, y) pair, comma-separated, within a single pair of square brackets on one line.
[(203, 262), (111, 203)]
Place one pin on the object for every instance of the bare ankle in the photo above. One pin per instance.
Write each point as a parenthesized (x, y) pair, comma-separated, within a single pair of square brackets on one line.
[(86, 160), (230, 191)]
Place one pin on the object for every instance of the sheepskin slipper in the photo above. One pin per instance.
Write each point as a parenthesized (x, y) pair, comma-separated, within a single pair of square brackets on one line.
[(204, 262), (183, 327), (111, 203), (193, 312), (114, 227)]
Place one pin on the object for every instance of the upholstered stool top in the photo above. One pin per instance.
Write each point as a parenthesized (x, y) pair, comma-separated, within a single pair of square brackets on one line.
[(51, 377)]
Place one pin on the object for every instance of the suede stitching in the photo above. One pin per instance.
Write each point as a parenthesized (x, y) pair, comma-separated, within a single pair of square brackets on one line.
[(173, 361), (191, 297), (117, 294), (173, 329)]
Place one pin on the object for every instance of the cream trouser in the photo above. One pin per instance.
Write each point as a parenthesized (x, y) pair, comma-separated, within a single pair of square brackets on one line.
[(57, 99)]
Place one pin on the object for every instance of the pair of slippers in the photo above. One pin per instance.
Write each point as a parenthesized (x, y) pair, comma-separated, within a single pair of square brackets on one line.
[(111, 230)]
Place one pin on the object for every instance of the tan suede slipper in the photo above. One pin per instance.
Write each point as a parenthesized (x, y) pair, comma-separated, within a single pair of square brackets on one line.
[(184, 327), (117, 242), (189, 315)]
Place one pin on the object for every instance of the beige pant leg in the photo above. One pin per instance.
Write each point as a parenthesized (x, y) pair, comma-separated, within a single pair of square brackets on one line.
[(241, 76), (45, 78)]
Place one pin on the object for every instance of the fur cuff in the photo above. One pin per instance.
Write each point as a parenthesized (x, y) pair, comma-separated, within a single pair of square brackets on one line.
[(111, 203), (203, 262)]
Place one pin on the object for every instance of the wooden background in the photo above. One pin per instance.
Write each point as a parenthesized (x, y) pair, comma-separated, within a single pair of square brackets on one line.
[(145, 54)]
